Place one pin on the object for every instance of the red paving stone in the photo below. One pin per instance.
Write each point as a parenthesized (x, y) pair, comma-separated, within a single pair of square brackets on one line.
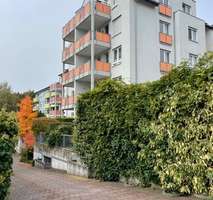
[(37, 184)]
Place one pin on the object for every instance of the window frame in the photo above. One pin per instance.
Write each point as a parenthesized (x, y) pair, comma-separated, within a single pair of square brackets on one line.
[(165, 26), (192, 34), (117, 55), (186, 8), (164, 2), (193, 58), (165, 56)]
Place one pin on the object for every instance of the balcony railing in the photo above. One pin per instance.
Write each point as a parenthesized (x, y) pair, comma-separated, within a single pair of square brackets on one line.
[(82, 14), (165, 10), (165, 38), (83, 41), (55, 86), (55, 100), (84, 70), (165, 67), (69, 101), (55, 113)]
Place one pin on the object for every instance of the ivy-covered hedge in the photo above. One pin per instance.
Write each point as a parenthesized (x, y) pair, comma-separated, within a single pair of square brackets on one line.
[(8, 129), (159, 132)]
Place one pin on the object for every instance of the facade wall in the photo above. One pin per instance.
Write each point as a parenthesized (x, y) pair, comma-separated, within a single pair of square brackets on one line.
[(209, 39), (135, 31), (184, 46)]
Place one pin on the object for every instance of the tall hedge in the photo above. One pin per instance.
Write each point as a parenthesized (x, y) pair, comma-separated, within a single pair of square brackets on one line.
[(158, 132), (8, 129)]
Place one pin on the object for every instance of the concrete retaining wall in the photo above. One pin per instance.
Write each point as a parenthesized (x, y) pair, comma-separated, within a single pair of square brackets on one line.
[(61, 159)]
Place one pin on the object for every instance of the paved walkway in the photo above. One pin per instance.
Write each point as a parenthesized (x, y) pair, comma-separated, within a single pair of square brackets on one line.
[(36, 184)]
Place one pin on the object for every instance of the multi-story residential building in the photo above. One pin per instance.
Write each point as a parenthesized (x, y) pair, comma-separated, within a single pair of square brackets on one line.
[(130, 40), (48, 100), (39, 101)]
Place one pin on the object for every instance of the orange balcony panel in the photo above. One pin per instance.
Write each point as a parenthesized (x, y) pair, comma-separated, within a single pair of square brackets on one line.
[(165, 67), (87, 37), (103, 37), (165, 10), (81, 69), (103, 8), (87, 67), (164, 38), (77, 44), (77, 71), (87, 9), (78, 18), (71, 49), (103, 67)]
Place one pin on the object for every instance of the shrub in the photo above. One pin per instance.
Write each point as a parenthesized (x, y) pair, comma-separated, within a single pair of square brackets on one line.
[(8, 130), (53, 129), (26, 156), (159, 132)]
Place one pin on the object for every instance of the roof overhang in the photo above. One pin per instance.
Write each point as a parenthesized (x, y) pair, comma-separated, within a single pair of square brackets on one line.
[(152, 2), (209, 26)]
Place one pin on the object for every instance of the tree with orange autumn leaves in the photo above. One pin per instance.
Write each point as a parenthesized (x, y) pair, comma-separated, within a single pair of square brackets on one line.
[(25, 119)]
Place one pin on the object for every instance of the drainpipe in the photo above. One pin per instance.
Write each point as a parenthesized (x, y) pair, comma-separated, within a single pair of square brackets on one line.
[(92, 43)]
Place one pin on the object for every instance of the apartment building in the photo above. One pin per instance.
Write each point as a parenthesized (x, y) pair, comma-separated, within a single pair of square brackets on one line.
[(130, 40), (48, 100)]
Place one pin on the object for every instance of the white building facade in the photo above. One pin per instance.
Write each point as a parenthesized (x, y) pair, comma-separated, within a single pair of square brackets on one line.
[(130, 40)]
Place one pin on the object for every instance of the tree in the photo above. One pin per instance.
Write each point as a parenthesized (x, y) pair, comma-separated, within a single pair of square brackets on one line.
[(8, 100), (25, 119)]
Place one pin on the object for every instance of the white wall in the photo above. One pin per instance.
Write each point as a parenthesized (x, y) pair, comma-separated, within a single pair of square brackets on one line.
[(147, 45), (183, 45), (209, 39)]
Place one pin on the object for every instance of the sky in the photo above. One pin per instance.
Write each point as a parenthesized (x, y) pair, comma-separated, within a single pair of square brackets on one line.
[(31, 39)]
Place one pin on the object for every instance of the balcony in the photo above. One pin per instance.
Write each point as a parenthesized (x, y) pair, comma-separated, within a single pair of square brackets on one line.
[(47, 95), (55, 113), (165, 67), (68, 102), (56, 87), (82, 19), (47, 106), (83, 72), (165, 38), (83, 46), (165, 10), (55, 100)]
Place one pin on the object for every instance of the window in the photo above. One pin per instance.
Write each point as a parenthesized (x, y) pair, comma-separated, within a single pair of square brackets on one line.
[(164, 56), (116, 26), (186, 8), (117, 54), (192, 59), (165, 2), (164, 27), (192, 32)]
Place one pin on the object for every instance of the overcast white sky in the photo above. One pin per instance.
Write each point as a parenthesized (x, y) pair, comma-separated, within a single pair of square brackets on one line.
[(30, 39)]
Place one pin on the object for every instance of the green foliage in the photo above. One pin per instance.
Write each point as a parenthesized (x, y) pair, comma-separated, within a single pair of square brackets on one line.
[(159, 132), (8, 124), (44, 125), (26, 156), (53, 129), (9, 100), (8, 129)]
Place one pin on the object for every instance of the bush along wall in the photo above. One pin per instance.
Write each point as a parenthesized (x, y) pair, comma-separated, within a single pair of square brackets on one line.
[(159, 132), (53, 129), (8, 129)]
